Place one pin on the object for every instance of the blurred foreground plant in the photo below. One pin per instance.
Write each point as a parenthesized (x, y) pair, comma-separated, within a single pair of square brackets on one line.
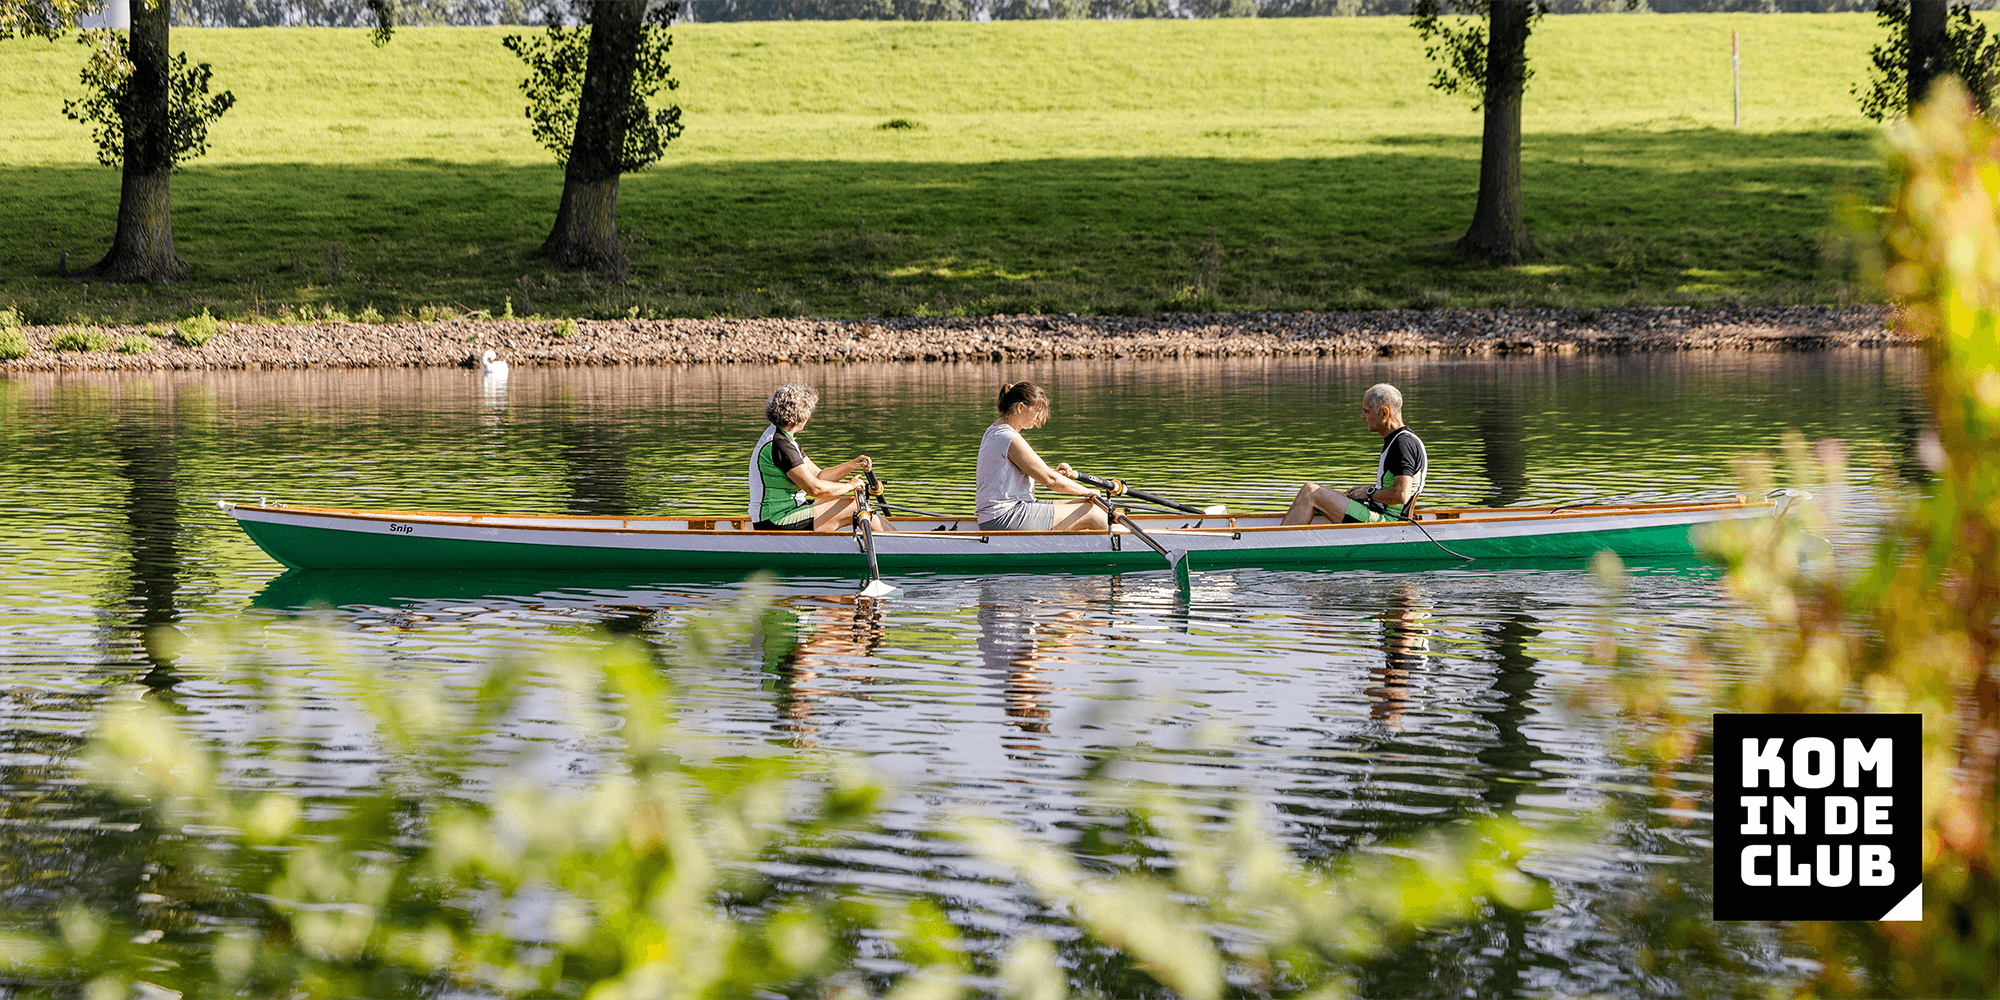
[(628, 883), (643, 865), (1207, 908), (1913, 631)]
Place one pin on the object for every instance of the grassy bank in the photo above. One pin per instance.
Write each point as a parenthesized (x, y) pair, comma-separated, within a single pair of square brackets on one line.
[(1047, 166)]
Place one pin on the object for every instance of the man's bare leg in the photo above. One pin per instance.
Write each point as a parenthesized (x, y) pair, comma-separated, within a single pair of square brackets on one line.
[(1316, 499), (1301, 510)]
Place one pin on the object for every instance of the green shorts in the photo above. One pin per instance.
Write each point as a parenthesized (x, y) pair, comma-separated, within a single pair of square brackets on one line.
[(1358, 512)]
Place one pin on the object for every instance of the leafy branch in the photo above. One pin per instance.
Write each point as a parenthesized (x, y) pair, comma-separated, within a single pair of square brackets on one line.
[(556, 63), (110, 101), (1454, 34), (1456, 42), (1912, 630), (42, 18), (1975, 59)]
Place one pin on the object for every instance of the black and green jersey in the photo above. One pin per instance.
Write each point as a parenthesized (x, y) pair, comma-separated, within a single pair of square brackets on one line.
[(1402, 455), (773, 495)]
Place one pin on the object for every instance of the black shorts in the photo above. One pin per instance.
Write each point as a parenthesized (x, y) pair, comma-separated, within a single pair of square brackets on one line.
[(802, 524)]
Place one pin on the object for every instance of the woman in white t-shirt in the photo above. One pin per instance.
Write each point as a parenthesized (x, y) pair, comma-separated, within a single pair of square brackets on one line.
[(1009, 470)]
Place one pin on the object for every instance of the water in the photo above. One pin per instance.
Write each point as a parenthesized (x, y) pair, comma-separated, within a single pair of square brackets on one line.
[(1360, 706)]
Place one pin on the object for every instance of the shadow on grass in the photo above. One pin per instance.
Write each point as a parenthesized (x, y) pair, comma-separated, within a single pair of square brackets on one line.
[(1620, 217)]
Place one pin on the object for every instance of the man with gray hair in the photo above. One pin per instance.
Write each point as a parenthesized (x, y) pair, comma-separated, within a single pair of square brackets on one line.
[(1399, 473)]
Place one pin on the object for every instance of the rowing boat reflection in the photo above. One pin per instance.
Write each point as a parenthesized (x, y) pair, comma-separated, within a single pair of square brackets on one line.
[(1022, 666)]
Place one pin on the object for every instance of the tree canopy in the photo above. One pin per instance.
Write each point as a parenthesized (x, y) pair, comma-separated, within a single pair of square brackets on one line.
[(1969, 55), (347, 13), (42, 18), (557, 60), (109, 100)]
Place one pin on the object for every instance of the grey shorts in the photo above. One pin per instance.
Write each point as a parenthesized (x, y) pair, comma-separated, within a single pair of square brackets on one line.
[(1035, 515)]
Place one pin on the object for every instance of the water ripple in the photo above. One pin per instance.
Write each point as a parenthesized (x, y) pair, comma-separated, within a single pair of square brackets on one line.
[(1351, 708)]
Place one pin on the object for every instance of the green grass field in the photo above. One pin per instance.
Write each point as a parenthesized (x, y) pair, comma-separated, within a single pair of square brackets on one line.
[(1050, 167)]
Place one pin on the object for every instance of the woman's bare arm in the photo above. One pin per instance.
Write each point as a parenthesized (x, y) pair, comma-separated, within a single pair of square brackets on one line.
[(822, 485), (859, 463), (1022, 454)]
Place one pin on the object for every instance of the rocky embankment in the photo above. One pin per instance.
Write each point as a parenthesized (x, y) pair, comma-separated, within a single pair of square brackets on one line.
[(995, 338)]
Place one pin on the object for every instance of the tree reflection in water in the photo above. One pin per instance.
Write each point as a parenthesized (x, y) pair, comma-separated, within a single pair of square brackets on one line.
[(147, 431), (64, 842), (1507, 769), (1509, 763), (1503, 449), (595, 460)]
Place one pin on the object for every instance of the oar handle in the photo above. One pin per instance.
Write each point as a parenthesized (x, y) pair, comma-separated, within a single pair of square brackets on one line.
[(874, 485), (1117, 488), (1111, 487)]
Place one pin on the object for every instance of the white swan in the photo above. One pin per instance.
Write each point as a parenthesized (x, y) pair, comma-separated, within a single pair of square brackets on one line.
[(491, 366)]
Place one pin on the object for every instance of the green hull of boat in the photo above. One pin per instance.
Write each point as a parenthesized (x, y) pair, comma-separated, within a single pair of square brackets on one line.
[(318, 548)]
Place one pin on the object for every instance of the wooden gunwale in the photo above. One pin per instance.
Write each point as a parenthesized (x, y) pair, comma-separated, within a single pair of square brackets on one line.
[(1527, 514)]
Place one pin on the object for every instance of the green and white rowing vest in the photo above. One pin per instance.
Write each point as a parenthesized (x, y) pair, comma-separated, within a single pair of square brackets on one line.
[(773, 495)]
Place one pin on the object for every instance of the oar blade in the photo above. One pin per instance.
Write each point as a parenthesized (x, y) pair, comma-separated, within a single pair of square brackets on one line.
[(878, 589)]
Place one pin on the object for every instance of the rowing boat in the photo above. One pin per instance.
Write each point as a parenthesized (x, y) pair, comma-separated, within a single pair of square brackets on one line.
[(339, 538)]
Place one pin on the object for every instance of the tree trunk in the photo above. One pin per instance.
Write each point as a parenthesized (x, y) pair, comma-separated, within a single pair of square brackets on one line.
[(143, 248), (585, 236), (1928, 55), (1498, 232)]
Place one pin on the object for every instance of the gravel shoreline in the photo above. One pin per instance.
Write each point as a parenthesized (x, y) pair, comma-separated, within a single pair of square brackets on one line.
[(996, 338)]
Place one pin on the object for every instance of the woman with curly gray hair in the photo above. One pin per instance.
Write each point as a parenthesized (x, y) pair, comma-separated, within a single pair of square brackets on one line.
[(786, 488)]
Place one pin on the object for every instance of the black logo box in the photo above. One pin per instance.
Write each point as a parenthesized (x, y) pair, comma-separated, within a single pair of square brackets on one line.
[(1836, 791)]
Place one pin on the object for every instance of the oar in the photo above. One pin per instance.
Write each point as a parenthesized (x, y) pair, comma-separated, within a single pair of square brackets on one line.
[(863, 526), (1118, 488), (1176, 558)]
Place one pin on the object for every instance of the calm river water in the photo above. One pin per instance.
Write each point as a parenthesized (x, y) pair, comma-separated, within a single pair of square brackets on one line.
[(1364, 705)]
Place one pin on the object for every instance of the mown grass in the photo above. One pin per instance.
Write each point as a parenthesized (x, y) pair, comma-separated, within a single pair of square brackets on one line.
[(1051, 166)]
